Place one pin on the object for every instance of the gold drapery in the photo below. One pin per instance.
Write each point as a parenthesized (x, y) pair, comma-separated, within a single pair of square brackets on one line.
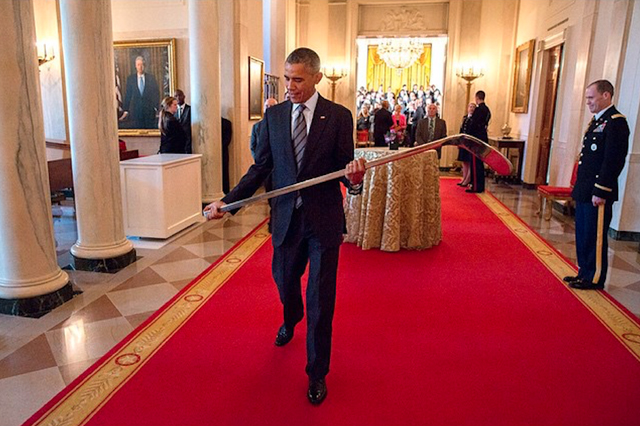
[(379, 73)]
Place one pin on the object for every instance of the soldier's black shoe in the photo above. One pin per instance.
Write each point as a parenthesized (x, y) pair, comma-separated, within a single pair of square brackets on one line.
[(585, 285), (284, 336), (317, 391), (570, 279)]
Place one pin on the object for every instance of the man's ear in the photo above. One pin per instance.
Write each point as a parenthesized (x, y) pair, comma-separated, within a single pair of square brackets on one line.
[(318, 77)]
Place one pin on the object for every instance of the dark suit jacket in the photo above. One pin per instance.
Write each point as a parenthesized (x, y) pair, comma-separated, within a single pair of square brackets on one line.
[(185, 122), (422, 133), (226, 130), (604, 150), (480, 122), (382, 122), (142, 108), (329, 148), (255, 131), (173, 140)]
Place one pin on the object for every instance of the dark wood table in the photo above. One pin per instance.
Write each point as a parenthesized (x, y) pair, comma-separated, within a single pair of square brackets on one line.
[(506, 145)]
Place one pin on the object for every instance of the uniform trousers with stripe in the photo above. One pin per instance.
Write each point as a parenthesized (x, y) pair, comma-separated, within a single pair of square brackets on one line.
[(289, 263), (591, 250)]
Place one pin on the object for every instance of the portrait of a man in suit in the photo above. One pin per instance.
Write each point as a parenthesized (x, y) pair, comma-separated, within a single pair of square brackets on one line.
[(141, 99)]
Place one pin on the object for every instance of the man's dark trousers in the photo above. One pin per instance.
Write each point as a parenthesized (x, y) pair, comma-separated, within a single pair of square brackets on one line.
[(587, 247), (289, 263)]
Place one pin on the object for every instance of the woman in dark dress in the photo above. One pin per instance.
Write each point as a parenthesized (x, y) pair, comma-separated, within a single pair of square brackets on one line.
[(173, 139), (464, 155)]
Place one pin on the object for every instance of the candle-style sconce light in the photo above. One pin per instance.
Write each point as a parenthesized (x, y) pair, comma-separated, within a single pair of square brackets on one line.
[(469, 73), (334, 74), (46, 53)]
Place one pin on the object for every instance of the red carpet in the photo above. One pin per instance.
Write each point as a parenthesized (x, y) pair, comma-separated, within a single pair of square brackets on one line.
[(476, 331)]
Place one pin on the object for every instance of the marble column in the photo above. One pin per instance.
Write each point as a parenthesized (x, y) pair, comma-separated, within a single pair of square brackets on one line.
[(87, 42), (31, 282), (204, 65)]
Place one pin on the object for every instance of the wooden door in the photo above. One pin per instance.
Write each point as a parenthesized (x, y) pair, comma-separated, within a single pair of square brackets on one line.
[(548, 112)]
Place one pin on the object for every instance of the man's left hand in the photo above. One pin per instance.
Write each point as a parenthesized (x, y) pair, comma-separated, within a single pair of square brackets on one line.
[(597, 201), (355, 171)]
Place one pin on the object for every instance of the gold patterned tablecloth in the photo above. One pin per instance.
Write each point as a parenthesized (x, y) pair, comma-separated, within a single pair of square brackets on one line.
[(399, 206)]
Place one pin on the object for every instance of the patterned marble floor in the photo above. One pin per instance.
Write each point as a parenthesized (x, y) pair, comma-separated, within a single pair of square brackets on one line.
[(38, 357)]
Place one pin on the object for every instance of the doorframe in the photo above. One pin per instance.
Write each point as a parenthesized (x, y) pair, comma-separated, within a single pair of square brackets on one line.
[(541, 62), (546, 69)]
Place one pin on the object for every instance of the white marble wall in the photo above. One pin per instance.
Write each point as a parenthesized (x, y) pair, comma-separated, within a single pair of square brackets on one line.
[(87, 33), (28, 264)]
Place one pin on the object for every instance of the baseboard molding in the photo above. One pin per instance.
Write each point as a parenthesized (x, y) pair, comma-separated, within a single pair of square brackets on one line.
[(624, 235)]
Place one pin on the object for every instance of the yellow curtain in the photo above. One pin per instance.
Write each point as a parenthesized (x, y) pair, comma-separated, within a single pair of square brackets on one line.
[(379, 73)]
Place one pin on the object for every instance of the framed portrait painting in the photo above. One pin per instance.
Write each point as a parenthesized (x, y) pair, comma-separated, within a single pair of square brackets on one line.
[(256, 76), (145, 73), (522, 77)]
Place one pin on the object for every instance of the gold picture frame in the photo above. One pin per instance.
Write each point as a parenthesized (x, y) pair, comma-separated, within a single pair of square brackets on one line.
[(523, 63), (256, 88), (139, 101)]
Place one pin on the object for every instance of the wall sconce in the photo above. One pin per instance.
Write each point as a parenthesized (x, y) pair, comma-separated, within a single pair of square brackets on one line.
[(334, 74), (45, 56), (469, 73)]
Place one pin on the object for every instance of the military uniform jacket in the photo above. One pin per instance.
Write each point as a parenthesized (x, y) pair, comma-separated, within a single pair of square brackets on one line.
[(604, 150)]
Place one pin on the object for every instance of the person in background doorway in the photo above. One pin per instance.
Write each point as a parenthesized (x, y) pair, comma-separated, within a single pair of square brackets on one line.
[(479, 125), (172, 137), (465, 156), (183, 114), (255, 130), (382, 123)]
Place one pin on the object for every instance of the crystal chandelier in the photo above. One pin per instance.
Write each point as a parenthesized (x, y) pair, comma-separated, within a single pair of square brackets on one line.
[(400, 53)]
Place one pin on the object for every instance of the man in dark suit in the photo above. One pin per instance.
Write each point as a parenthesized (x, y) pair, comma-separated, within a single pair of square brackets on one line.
[(142, 99), (604, 150), (255, 130), (418, 115), (431, 128), (226, 133), (184, 117), (382, 122), (479, 124), (303, 138)]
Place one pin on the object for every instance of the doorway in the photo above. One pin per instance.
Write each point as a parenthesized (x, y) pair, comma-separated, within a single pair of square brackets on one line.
[(551, 79)]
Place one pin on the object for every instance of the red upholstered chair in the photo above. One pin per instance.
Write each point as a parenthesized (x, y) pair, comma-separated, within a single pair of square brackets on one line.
[(555, 193), (363, 138)]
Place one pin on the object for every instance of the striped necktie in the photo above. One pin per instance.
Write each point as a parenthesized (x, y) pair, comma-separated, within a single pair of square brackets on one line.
[(299, 142)]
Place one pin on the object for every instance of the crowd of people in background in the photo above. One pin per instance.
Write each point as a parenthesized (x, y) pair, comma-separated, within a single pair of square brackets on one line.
[(411, 104)]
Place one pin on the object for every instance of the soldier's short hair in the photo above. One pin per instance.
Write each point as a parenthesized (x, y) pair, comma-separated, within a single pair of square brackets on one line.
[(480, 95), (603, 86), (307, 57)]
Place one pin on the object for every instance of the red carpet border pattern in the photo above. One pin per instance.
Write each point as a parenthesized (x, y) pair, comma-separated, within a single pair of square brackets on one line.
[(616, 319), (82, 400), (94, 389)]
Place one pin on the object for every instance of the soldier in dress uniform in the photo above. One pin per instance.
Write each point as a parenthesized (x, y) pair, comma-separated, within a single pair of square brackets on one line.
[(604, 150)]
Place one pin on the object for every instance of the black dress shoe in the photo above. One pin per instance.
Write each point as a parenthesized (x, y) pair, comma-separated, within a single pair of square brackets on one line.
[(570, 279), (585, 285), (317, 391), (284, 336)]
